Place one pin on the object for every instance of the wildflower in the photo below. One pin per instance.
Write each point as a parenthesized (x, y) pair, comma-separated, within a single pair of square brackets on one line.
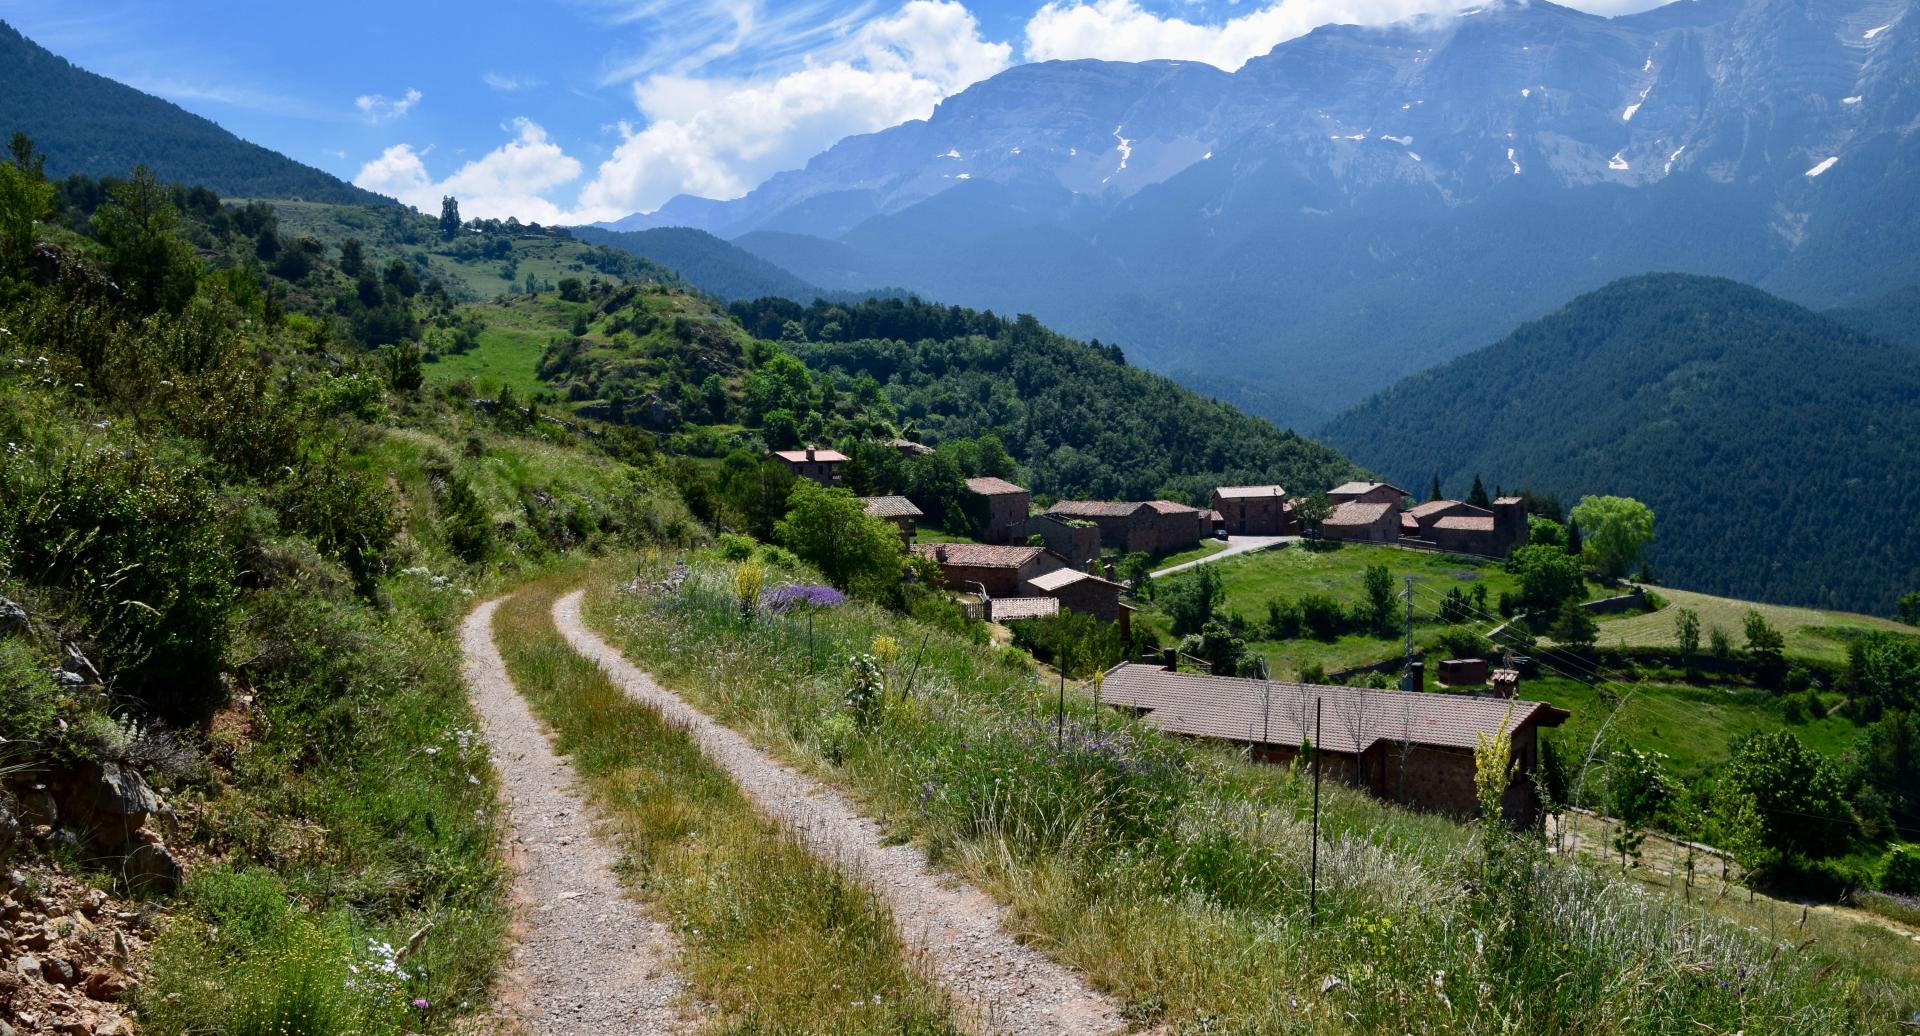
[(420, 1004)]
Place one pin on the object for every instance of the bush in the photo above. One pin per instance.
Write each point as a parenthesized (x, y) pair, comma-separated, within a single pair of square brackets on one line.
[(139, 552), (735, 547), (464, 521), (28, 698), (1322, 616), (349, 515), (1900, 870)]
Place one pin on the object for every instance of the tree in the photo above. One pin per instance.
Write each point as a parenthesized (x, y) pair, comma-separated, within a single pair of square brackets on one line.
[(1883, 672), (1380, 598), (1768, 648), (1545, 531), (1909, 608), (26, 198), (353, 257), (144, 253), (1615, 531), (832, 529), (1799, 796), (1312, 509), (449, 217), (1637, 789), (1548, 576), (1191, 601), (1477, 496), (1434, 493), (1575, 626), (572, 290), (1686, 632), (1886, 761)]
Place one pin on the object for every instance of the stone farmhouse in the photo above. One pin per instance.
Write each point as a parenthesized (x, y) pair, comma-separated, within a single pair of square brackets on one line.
[(897, 509), (1412, 748), (1363, 521), (1087, 594), (1370, 512), (822, 466), (1152, 526), (1003, 506), (1078, 542), (996, 570), (1255, 511)]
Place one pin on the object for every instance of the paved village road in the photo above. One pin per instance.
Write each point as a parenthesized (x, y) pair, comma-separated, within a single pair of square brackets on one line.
[(1236, 545), (586, 959), (1009, 987)]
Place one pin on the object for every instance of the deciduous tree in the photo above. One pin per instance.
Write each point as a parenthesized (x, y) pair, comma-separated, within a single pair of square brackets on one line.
[(1614, 532)]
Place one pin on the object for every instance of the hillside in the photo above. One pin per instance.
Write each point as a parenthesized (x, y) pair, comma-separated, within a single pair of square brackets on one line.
[(711, 264), (91, 125), (1418, 183), (1774, 445)]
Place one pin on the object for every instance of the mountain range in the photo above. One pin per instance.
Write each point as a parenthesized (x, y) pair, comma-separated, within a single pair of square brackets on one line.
[(89, 124), (1776, 446), (1361, 203)]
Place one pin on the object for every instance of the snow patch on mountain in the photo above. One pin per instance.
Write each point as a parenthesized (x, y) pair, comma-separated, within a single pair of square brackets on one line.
[(1825, 164), (1617, 163), (1672, 158), (1513, 161)]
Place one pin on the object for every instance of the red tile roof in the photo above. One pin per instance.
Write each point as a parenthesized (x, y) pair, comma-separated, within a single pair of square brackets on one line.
[(1360, 488), (819, 456), (1408, 525), (891, 507), (1170, 507), (1013, 609), (1466, 523), (992, 486), (1353, 512), (978, 555), (1353, 719), (1243, 492), (1066, 577), (1094, 508)]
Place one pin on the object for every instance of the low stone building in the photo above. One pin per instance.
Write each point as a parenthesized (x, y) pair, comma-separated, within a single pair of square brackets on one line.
[(1255, 510), (1465, 529), (897, 509), (1000, 506), (1149, 526), (998, 571), (1407, 747), (1364, 522), (822, 466), (1075, 540), (1087, 594)]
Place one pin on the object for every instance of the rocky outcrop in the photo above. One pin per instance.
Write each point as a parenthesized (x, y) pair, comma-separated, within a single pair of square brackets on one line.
[(108, 802)]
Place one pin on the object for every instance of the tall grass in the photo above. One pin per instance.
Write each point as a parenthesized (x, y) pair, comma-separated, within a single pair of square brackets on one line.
[(776, 940), (1178, 877)]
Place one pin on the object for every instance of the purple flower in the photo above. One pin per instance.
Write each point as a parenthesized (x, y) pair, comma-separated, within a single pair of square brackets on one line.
[(782, 599), (421, 1005)]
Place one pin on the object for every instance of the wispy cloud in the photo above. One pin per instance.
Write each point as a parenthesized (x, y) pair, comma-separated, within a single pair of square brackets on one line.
[(379, 108), (508, 84), (230, 94)]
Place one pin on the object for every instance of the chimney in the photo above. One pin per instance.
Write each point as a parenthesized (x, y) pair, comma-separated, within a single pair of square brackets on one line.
[(1417, 677), (1171, 656), (809, 453)]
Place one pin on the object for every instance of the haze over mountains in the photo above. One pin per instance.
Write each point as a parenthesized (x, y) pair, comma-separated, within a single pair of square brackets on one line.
[(1364, 202)]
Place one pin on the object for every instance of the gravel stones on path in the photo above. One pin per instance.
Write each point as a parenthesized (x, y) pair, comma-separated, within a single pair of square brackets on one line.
[(1009, 987), (586, 959)]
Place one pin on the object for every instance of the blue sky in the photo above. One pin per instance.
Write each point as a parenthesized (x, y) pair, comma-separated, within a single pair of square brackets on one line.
[(571, 110)]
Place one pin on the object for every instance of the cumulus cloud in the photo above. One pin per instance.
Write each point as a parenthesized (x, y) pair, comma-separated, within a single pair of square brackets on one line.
[(719, 137), (1122, 30), (511, 180), (381, 109)]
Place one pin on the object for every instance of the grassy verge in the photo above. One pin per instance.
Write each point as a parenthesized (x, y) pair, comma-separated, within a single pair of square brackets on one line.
[(777, 940), (1178, 878)]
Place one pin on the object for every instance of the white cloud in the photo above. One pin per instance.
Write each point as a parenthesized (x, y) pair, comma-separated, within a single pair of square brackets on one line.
[(510, 84), (511, 180), (380, 109), (719, 137), (1121, 30)]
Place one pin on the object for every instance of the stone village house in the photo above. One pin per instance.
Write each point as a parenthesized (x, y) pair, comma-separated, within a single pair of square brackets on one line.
[(822, 466)]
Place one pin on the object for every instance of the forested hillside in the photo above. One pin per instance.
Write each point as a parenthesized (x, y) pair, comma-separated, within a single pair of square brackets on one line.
[(707, 262), (89, 124), (1080, 419), (1775, 446)]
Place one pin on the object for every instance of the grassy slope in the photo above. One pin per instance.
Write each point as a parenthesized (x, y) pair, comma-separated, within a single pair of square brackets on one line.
[(1810, 632), (1176, 877)]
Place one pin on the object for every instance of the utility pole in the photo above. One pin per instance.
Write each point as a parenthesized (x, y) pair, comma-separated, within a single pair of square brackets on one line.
[(1313, 874), (1406, 669)]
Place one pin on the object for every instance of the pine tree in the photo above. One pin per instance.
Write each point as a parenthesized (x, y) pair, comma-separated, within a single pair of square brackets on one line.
[(1434, 493), (449, 217), (1478, 496)]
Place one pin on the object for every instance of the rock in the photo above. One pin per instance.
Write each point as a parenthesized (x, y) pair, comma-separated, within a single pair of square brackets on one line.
[(151, 868), (13, 619), (59, 971), (113, 799), (111, 1027), (106, 985), (9, 825), (27, 967), (5, 1029), (37, 808)]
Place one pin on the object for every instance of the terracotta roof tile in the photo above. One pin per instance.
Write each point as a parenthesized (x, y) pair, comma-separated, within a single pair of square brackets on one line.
[(978, 555), (1359, 488), (1353, 512), (1353, 718), (819, 456), (1466, 523), (1170, 507), (891, 507), (1245, 492), (990, 486), (1094, 508), (1013, 609)]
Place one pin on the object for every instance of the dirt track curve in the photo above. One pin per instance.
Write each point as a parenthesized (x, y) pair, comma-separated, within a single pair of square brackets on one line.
[(586, 959), (1009, 987)]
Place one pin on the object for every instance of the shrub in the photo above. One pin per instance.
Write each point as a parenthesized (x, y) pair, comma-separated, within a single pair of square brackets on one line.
[(735, 547), (464, 521), (1322, 616), (1900, 870), (139, 552), (349, 515), (28, 698)]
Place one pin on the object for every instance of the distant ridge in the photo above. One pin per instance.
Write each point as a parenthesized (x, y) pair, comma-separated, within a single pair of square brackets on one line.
[(89, 124), (716, 267)]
